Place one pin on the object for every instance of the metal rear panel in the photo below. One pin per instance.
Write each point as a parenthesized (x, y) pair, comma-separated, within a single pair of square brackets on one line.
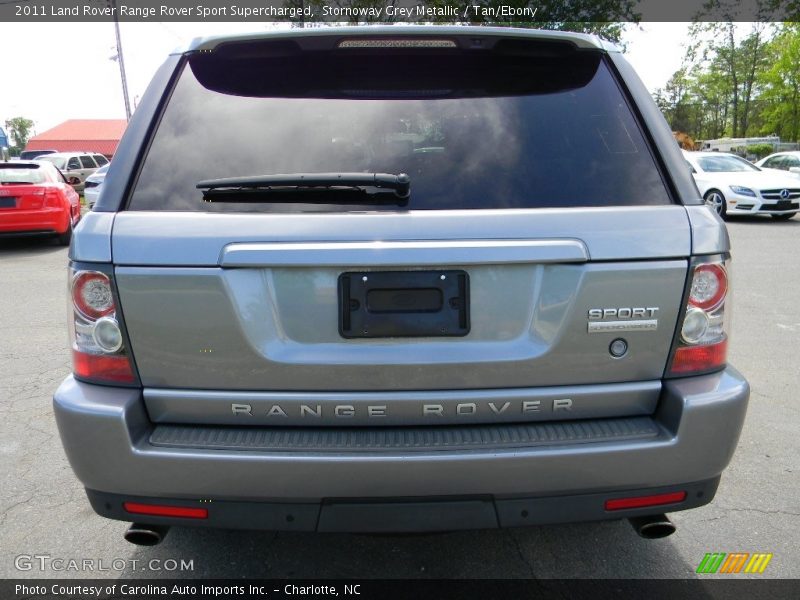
[(273, 329), (199, 239)]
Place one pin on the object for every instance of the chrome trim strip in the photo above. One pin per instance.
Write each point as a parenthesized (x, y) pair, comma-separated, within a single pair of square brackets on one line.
[(398, 253)]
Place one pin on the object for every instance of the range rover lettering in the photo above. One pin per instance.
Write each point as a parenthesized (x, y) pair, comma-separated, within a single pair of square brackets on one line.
[(398, 279)]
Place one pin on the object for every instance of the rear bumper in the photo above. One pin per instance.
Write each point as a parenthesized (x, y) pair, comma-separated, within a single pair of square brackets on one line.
[(44, 220), (107, 437), (402, 514)]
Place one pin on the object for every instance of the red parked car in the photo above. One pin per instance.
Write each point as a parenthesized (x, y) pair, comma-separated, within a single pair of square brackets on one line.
[(36, 199)]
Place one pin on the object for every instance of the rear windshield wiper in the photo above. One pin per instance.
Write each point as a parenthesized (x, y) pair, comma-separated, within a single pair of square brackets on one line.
[(322, 188)]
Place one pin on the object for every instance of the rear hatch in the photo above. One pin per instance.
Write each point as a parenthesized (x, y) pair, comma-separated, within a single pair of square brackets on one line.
[(538, 230), (21, 186), (21, 196)]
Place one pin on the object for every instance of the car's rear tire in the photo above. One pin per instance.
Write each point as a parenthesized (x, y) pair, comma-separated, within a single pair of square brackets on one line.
[(716, 200), (783, 217), (65, 238)]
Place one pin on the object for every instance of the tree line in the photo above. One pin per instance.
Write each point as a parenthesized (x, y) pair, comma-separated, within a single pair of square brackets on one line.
[(19, 131), (736, 80)]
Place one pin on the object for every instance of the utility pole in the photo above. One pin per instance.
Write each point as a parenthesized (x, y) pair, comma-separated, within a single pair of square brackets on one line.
[(121, 60)]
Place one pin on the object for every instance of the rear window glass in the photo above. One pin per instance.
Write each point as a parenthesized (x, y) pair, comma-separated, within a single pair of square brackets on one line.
[(58, 161), (725, 164), (501, 132), (32, 154), (29, 175)]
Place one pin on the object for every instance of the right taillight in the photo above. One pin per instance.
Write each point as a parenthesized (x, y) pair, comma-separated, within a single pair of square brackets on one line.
[(98, 344), (53, 199), (702, 342)]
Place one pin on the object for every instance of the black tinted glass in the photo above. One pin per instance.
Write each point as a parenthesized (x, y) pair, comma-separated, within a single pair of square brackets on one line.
[(501, 132), (30, 155)]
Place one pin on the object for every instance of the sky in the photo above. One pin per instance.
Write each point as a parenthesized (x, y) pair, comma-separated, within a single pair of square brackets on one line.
[(51, 72)]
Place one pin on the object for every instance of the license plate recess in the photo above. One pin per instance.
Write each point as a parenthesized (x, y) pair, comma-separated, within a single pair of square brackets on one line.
[(377, 304)]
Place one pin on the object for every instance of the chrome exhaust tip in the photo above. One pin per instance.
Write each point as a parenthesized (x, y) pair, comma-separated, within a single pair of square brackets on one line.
[(146, 535), (653, 527)]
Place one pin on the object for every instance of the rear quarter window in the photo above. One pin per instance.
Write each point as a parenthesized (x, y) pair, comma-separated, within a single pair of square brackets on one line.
[(499, 133)]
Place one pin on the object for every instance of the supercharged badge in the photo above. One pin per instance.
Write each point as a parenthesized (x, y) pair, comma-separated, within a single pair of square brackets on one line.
[(616, 319)]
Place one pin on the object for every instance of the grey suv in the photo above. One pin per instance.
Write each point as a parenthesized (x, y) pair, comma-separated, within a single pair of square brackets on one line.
[(399, 279)]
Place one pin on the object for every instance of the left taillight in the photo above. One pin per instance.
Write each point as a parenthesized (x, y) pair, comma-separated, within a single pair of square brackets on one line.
[(702, 342), (99, 354)]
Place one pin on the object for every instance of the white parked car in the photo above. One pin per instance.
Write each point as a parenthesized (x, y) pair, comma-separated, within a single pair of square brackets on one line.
[(93, 185), (76, 166), (734, 186), (783, 161)]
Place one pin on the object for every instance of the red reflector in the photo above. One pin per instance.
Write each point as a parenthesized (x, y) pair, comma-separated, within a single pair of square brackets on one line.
[(642, 501), (689, 359), (158, 510), (99, 367)]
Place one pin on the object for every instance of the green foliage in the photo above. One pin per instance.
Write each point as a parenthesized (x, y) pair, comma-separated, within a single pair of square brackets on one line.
[(19, 130), (781, 84), (737, 83), (760, 150)]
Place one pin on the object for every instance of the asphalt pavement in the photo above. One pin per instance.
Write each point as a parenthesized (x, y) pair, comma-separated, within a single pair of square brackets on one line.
[(44, 513)]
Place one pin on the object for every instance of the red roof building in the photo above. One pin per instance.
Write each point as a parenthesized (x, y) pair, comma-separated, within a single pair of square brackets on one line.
[(91, 135)]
